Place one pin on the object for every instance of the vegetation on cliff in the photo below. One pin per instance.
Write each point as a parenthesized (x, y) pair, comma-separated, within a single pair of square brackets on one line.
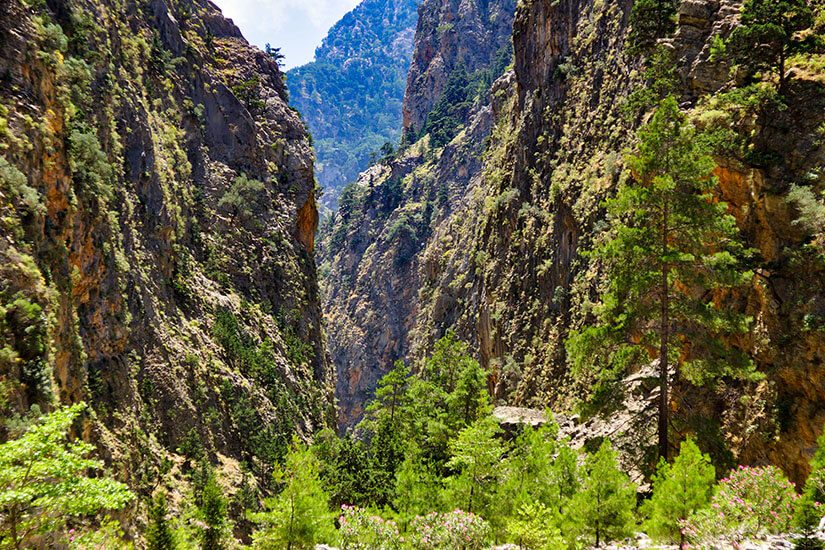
[(351, 95)]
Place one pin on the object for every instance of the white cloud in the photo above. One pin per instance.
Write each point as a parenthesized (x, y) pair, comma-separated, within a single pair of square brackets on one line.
[(295, 26)]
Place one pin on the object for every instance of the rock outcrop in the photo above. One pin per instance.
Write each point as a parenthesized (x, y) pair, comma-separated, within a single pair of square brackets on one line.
[(450, 34), (158, 214)]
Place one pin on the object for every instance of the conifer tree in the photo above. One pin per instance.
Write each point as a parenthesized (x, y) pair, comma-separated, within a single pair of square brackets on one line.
[(604, 505), (298, 517), (771, 32), (670, 251), (476, 455), (159, 534), (391, 393), (679, 489), (810, 508), (213, 514)]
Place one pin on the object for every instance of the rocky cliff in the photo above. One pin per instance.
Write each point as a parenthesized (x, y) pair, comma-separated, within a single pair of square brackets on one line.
[(158, 214), (504, 267), (371, 250), (351, 94)]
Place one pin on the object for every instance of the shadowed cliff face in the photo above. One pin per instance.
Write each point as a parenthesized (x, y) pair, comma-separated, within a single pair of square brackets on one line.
[(371, 251), (502, 265), (158, 221)]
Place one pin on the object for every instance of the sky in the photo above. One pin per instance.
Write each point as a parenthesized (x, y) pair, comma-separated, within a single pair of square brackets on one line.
[(295, 26)]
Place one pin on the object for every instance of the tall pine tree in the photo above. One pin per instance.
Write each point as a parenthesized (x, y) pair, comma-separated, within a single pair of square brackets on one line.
[(671, 251)]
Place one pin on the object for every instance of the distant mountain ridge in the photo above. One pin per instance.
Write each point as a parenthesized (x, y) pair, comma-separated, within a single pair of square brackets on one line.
[(351, 96)]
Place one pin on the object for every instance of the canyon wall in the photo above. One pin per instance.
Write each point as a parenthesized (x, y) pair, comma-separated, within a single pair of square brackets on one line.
[(503, 266), (158, 210)]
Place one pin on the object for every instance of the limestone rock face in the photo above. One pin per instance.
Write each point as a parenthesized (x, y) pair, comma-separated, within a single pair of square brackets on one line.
[(450, 34), (156, 250), (503, 267)]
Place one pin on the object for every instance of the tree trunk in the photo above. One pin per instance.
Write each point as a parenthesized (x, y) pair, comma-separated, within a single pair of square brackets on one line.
[(664, 335)]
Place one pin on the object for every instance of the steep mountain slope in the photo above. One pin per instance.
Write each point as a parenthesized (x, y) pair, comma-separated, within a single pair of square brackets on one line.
[(158, 218), (504, 266), (350, 96), (370, 251)]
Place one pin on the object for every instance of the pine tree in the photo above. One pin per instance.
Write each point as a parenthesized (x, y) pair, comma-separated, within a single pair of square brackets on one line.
[(671, 250), (298, 517), (391, 393), (604, 505), (213, 514), (476, 457), (771, 32), (386, 455), (159, 534), (679, 489), (809, 509)]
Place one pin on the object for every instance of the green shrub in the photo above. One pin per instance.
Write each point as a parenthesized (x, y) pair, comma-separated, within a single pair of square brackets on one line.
[(91, 171), (679, 490)]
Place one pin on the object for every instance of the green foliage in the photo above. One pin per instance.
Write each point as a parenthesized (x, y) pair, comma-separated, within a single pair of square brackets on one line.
[(159, 534), (811, 209), (668, 238), (770, 32), (533, 528), (452, 108), (679, 490), (298, 517), (91, 171), (212, 513), (24, 336), (651, 20), (807, 515), (44, 481), (345, 470), (604, 506), (241, 197), (249, 92), (808, 511), (108, 536), (14, 181), (661, 79), (476, 455)]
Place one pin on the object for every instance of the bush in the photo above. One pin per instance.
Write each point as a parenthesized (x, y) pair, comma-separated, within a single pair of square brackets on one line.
[(749, 502), (361, 530), (533, 529), (449, 531), (91, 171)]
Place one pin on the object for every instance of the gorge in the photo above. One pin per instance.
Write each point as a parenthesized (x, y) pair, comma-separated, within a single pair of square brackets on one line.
[(312, 288)]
